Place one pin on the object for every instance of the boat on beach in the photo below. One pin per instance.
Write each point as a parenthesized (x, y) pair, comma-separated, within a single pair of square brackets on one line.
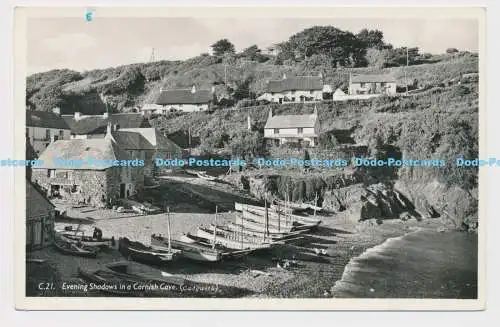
[(282, 223), (86, 240), (278, 215), (237, 228), (230, 242), (227, 253), (191, 251), (146, 254), (74, 249)]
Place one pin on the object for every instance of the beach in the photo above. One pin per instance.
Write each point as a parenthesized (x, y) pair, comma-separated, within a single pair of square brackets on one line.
[(341, 238)]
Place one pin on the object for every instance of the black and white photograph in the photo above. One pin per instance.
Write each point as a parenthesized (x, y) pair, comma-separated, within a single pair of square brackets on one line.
[(250, 155)]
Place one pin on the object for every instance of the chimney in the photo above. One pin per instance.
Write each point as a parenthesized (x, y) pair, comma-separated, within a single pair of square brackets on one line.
[(284, 75), (109, 129), (315, 110), (105, 115), (213, 89), (57, 111), (270, 113), (193, 89), (78, 115)]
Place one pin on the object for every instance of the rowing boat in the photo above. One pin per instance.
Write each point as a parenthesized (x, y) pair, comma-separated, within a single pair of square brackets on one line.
[(74, 249), (85, 240), (189, 250)]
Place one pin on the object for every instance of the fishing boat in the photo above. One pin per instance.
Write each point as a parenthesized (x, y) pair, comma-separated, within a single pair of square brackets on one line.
[(299, 206), (276, 215), (86, 240), (273, 208), (236, 228), (230, 242), (203, 175), (227, 253), (292, 222), (189, 250), (74, 249), (146, 254)]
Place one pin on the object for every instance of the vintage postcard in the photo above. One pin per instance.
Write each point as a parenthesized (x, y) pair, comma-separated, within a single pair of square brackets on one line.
[(257, 158)]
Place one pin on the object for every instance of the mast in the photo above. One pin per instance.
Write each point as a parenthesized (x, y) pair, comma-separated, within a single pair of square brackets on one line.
[(168, 228), (215, 227)]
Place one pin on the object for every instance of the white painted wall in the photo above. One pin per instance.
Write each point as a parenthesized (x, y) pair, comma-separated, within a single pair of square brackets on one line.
[(354, 88), (274, 97), (159, 109)]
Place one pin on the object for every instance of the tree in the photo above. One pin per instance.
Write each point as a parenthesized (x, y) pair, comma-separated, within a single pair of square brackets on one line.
[(371, 38), (246, 144), (222, 47)]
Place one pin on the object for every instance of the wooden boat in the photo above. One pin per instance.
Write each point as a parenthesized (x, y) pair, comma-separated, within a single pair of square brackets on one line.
[(236, 228), (227, 253), (272, 208), (189, 250), (145, 254), (274, 216), (74, 249), (280, 222), (86, 240), (203, 175), (225, 240)]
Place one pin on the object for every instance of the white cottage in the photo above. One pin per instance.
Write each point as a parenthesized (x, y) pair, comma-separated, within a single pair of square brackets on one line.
[(300, 130), (294, 89), (187, 100)]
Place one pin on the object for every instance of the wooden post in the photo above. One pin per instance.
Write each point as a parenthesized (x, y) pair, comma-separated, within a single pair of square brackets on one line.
[(215, 228), (168, 227)]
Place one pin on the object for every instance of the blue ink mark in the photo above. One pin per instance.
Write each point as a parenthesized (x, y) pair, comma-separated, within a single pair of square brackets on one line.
[(89, 15)]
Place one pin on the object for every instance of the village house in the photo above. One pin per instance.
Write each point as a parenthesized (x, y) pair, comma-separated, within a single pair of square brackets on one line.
[(185, 100), (147, 144), (294, 89), (372, 84), (94, 126), (297, 130), (43, 127), (80, 180), (40, 215)]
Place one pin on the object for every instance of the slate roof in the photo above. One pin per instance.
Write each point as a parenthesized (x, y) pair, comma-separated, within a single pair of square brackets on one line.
[(184, 97), (291, 121), (45, 119), (155, 138), (81, 149), (97, 124), (307, 83), (132, 141), (373, 79), (36, 203)]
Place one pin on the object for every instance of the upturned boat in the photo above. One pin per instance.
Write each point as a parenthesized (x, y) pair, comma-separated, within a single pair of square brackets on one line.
[(146, 254)]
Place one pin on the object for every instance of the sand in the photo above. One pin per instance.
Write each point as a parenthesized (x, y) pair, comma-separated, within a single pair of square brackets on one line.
[(192, 203)]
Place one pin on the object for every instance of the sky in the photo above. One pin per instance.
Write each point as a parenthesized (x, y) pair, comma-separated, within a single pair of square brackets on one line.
[(76, 44)]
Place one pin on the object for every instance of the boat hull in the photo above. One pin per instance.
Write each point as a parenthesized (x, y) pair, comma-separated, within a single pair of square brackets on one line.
[(232, 244), (141, 253), (189, 250)]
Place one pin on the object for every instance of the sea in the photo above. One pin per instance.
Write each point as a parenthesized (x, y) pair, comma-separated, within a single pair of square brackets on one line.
[(422, 264)]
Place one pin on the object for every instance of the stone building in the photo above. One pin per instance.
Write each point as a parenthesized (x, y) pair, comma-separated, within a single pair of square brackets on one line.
[(296, 130), (89, 171), (40, 215), (295, 89)]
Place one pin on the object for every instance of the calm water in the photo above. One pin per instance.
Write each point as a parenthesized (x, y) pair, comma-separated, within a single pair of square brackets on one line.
[(418, 265)]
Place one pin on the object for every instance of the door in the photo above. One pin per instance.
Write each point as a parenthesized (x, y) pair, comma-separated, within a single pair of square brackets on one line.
[(122, 190)]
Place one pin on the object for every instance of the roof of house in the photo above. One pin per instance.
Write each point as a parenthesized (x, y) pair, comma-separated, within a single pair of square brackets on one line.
[(132, 141), (307, 83), (291, 121), (96, 124), (36, 203), (184, 97), (373, 79), (85, 150), (155, 138), (45, 119)]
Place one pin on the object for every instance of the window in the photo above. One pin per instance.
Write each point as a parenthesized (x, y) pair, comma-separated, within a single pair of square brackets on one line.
[(300, 130), (293, 91), (311, 92), (382, 84), (47, 134), (74, 189), (51, 173), (293, 99), (272, 93), (276, 131), (362, 84)]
